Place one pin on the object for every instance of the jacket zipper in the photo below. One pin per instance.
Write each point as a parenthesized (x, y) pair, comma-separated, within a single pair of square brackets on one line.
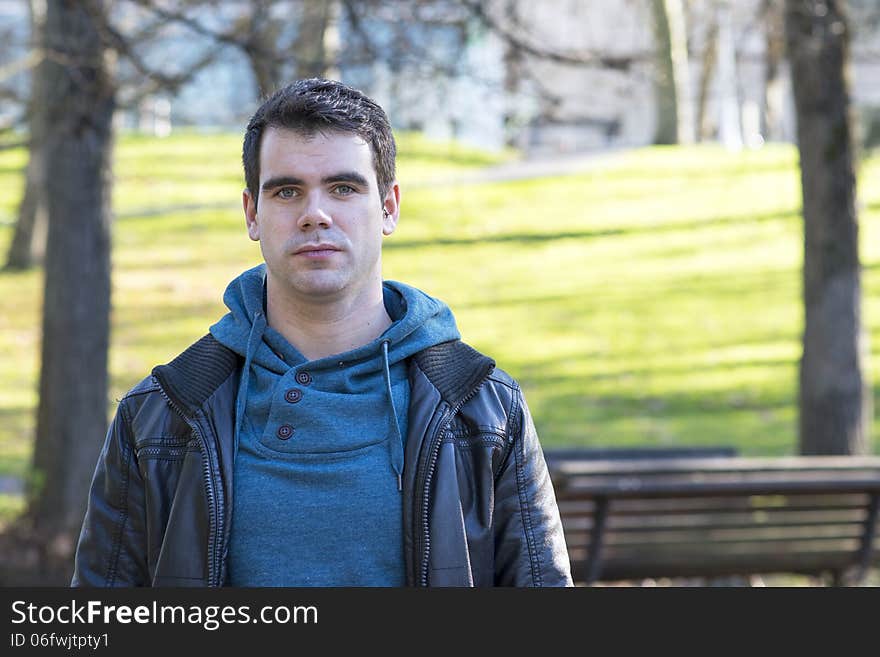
[(157, 451), (434, 452), (213, 512), (437, 440)]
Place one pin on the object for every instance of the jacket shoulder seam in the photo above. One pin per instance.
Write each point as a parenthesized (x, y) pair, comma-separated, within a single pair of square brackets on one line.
[(502, 378), (145, 387)]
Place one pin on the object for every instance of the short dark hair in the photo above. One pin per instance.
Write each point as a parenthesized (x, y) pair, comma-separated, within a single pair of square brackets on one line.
[(317, 105)]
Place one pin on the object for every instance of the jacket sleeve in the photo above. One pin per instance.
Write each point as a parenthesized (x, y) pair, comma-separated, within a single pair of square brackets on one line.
[(530, 546), (112, 545)]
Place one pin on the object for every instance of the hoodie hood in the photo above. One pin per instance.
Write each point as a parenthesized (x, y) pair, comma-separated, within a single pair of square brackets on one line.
[(418, 320), (363, 387)]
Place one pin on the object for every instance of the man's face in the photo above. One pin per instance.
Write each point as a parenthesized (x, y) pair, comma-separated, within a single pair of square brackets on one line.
[(319, 219)]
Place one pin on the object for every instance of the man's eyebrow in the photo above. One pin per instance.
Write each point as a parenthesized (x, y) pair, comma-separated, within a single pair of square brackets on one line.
[(346, 176), (281, 181)]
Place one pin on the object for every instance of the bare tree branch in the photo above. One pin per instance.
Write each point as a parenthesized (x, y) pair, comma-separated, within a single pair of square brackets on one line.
[(512, 36), (24, 63), (230, 37), (158, 79)]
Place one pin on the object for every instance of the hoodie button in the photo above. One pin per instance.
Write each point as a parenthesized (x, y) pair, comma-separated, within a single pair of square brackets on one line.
[(293, 395), (303, 378), (284, 432)]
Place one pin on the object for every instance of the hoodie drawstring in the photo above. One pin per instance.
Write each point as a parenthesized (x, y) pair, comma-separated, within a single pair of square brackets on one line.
[(258, 327), (395, 443)]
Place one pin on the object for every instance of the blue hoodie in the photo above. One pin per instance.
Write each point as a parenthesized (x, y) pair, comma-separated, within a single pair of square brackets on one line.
[(319, 445)]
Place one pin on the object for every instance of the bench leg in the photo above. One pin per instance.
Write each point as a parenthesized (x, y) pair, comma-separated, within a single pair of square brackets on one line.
[(867, 546), (593, 566)]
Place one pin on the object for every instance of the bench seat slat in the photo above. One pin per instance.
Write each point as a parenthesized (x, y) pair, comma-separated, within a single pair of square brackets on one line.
[(747, 502), (854, 517), (705, 541), (782, 515), (705, 537), (657, 555), (738, 465), (808, 563), (632, 488)]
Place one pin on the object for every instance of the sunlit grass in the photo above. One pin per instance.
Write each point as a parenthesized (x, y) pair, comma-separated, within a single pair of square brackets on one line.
[(655, 301), (11, 506)]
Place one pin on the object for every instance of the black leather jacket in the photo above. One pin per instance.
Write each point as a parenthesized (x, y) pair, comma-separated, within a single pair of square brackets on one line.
[(479, 508)]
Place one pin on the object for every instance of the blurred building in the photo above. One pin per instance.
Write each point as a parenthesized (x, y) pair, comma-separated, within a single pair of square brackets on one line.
[(437, 68)]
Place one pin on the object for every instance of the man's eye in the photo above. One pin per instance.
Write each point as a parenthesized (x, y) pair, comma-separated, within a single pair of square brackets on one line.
[(286, 192), (344, 190)]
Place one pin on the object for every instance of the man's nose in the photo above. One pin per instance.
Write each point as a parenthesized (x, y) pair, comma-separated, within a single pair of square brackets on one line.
[(314, 214)]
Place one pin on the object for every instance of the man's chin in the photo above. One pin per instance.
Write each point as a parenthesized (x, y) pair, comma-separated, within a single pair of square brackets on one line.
[(318, 285)]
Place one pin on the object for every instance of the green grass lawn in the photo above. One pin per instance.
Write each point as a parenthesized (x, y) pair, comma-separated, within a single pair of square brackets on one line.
[(655, 301)]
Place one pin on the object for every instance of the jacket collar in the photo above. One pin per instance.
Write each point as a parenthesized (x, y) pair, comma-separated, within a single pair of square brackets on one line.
[(191, 378), (456, 369)]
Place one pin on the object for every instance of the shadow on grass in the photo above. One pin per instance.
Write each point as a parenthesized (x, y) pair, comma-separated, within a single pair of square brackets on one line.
[(753, 426), (766, 433), (526, 238), (157, 211), (691, 368), (732, 398), (757, 423), (142, 317), (660, 291)]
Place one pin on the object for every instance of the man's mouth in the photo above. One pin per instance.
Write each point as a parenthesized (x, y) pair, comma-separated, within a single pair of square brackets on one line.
[(316, 250)]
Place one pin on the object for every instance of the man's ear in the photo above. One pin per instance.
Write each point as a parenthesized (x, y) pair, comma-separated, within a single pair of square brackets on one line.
[(391, 207), (250, 215)]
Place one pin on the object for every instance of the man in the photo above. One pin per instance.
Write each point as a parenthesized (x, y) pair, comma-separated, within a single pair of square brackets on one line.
[(331, 429)]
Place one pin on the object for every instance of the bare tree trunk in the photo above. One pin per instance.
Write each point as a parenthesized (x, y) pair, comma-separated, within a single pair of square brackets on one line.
[(678, 51), (774, 54), (266, 71), (835, 400), (513, 74), (309, 51), (729, 125), (672, 78), (72, 414), (28, 245), (705, 129), (258, 33), (666, 127), (332, 40)]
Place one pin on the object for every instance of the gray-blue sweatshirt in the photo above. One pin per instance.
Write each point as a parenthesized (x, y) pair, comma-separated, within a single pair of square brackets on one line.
[(319, 445)]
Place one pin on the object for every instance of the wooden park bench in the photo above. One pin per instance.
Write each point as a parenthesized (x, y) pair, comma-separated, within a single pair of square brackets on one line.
[(686, 516)]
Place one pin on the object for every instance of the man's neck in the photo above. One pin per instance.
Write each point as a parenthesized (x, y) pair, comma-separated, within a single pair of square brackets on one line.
[(323, 327)]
